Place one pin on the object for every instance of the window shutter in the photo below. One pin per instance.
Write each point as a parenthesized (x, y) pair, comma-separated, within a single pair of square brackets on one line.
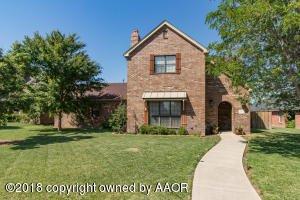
[(151, 64), (178, 63)]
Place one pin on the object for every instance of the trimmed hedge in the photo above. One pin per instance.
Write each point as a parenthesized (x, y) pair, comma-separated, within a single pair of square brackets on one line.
[(159, 130)]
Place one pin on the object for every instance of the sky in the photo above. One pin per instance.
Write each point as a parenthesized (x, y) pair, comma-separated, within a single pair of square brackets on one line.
[(104, 25)]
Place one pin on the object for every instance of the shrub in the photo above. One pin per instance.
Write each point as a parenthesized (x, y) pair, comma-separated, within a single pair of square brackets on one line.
[(182, 131), (144, 129), (168, 131), (3, 120), (291, 124), (212, 129), (156, 130), (13, 118), (106, 125), (215, 129), (24, 118), (118, 119), (239, 130)]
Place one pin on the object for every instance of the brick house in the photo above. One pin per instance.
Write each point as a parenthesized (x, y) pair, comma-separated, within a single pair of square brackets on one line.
[(102, 103), (263, 117), (167, 85), (279, 119)]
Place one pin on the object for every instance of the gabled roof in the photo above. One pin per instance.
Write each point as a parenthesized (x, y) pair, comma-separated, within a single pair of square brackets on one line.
[(169, 25), (111, 92)]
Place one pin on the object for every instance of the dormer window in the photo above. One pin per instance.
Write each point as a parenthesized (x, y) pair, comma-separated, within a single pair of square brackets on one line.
[(165, 64)]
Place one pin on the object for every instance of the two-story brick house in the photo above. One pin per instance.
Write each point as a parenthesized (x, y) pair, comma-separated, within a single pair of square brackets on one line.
[(167, 85)]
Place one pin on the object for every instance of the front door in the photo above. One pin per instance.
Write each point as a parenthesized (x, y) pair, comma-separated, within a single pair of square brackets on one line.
[(224, 116)]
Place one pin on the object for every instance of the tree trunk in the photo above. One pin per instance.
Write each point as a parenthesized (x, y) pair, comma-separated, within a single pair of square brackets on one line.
[(59, 121), (298, 90)]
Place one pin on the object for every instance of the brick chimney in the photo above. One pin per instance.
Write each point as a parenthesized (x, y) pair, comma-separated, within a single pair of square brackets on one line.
[(135, 37)]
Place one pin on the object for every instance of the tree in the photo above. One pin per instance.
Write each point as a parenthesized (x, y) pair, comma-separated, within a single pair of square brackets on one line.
[(259, 48), (60, 72), (11, 84)]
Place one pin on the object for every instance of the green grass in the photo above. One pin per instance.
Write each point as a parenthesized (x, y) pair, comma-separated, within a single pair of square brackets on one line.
[(77, 156), (274, 161)]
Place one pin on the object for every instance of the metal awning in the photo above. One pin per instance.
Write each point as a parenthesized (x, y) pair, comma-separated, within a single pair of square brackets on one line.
[(164, 95)]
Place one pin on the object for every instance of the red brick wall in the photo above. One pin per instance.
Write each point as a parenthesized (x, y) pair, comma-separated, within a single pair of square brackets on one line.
[(219, 90), (191, 79), (297, 120), (105, 109), (46, 119), (278, 119), (68, 121)]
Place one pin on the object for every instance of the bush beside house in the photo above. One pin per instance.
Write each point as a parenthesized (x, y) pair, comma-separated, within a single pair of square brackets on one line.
[(291, 124), (182, 131), (118, 119), (159, 130)]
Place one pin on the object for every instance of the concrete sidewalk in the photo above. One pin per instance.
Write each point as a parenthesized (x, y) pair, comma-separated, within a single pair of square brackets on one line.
[(220, 173)]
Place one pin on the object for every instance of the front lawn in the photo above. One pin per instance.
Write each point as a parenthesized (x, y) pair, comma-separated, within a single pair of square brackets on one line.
[(40, 154), (274, 161)]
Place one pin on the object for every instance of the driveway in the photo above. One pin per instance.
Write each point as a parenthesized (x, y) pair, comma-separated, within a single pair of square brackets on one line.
[(220, 173)]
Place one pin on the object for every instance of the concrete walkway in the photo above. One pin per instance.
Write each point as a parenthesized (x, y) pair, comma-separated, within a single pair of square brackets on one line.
[(220, 173)]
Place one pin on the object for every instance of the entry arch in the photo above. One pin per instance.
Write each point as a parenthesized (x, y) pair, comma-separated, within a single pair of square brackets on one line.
[(225, 116)]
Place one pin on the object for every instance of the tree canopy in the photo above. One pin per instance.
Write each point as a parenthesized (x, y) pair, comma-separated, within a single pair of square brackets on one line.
[(11, 85), (60, 72), (259, 48)]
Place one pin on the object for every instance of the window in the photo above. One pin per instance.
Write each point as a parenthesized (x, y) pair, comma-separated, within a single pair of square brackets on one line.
[(164, 64), (165, 113)]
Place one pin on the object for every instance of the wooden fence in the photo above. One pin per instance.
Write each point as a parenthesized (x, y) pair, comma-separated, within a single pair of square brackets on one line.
[(261, 120)]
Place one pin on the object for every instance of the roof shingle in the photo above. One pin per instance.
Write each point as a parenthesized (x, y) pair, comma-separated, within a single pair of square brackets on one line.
[(113, 91)]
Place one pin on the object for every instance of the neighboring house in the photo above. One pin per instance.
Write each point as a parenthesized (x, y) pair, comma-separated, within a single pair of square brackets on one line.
[(297, 120), (267, 118), (45, 119), (167, 85), (103, 103), (278, 119)]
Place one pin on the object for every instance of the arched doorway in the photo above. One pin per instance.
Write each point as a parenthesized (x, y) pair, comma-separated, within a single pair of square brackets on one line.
[(224, 116)]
